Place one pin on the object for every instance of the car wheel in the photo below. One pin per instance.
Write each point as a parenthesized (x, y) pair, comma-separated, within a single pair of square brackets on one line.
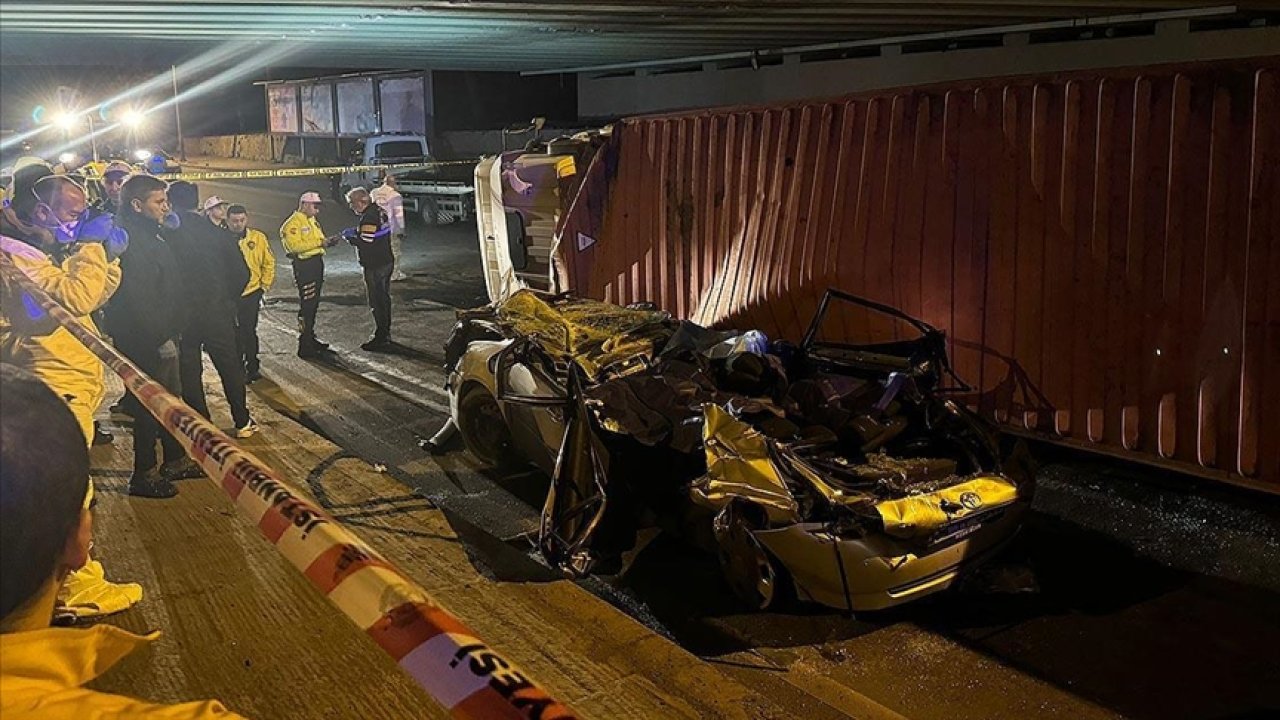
[(484, 431), (750, 570)]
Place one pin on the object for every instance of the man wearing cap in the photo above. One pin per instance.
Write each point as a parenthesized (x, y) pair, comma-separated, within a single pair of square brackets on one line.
[(304, 243), (113, 177), (215, 210)]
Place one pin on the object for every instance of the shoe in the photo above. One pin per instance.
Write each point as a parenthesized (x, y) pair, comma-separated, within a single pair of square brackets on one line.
[(101, 436), (151, 485), (248, 430), (398, 277), (376, 343), (320, 344), (314, 352), (183, 469), (253, 376)]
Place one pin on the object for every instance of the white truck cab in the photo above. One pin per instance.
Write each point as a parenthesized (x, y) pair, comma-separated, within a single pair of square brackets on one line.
[(427, 193), (386, 149), (521, 197)]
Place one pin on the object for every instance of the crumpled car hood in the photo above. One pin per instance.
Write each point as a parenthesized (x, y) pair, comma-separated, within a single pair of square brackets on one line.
[(920, 516), (593, 334)]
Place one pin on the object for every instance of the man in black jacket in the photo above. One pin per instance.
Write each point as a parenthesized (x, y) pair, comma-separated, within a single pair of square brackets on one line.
[(144, 319), (214, 274), (372, 240)]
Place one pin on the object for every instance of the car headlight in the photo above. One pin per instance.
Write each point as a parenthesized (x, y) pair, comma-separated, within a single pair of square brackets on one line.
[(143, 155), (67, 158)]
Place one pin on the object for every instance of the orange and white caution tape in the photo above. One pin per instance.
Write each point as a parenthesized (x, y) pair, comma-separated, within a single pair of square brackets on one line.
[(434, 647)]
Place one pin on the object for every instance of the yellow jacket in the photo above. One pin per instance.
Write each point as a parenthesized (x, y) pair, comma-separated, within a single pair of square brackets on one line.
[(302, 236), (261, 261), (32, 340), (42, 671)]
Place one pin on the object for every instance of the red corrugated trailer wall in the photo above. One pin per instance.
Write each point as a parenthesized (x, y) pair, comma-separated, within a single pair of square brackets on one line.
[(1102, 249)]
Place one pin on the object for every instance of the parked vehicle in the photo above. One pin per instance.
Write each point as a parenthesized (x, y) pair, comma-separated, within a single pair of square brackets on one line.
[(156, 161), (433, 195), (838, 470)]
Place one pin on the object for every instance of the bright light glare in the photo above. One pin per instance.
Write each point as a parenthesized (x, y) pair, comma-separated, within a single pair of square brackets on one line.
[(142, 155), (131, 119), (67, 158), (65, 120)]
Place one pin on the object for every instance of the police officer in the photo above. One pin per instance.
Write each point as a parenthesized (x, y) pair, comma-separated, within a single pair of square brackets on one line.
[(262, 274), (304, 243), (372, 240)]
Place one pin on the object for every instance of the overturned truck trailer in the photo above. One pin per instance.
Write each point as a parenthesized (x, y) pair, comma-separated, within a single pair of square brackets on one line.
[(1100, 248)]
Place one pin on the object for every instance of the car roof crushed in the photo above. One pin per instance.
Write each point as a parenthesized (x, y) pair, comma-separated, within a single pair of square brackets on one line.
[(854, 441)]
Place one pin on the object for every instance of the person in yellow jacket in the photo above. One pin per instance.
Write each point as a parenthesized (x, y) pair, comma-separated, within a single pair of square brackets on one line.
[(32, 340), (46, 528), (304, 243), (262, 275)]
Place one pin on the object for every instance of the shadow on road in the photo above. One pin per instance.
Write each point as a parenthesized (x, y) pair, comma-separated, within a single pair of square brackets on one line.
[(1099, 622)]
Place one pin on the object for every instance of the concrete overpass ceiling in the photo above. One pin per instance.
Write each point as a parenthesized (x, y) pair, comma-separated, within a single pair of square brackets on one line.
[(485, 35)]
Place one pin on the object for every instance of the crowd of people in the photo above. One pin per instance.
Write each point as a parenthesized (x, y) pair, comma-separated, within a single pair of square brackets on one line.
[(169, 279)]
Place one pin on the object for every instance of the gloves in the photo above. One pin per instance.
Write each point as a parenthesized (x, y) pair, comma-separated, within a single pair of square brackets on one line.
[(116, 243), (350, 235), (172, 221), (102, 229)]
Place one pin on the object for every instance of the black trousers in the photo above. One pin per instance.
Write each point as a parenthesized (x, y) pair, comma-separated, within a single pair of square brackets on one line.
[(377, 286), (247, 330), (162, 365), (308, 275), (216, 336)]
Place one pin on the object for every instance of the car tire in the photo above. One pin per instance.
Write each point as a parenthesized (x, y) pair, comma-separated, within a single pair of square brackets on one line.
[(753, 574), (484, 431)]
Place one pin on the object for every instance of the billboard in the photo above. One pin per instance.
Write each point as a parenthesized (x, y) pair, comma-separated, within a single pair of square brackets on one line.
[(317, 108), (282, 108), (357, 114), (403, 104)]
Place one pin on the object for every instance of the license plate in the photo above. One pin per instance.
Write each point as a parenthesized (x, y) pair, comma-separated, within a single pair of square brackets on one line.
[(960, 529)]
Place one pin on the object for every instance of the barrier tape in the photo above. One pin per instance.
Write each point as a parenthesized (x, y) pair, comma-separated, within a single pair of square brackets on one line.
[(303, 172), (434, 647)]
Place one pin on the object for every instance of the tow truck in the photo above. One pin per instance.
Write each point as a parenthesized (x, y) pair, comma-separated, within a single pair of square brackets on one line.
[(437, 195)]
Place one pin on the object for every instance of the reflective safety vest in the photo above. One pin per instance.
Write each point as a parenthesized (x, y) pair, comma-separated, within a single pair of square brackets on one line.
[(302, 236)]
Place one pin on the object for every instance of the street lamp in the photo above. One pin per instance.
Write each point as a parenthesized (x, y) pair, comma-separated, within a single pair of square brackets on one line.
[(68, 122), (132, 119)]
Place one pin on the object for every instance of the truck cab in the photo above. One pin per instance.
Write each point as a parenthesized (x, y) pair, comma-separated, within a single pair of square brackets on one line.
[(520, 200), (387, 149), (434, 199)]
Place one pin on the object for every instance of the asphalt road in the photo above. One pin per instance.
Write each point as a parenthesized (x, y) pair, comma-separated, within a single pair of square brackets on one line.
[(1130, 593)]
